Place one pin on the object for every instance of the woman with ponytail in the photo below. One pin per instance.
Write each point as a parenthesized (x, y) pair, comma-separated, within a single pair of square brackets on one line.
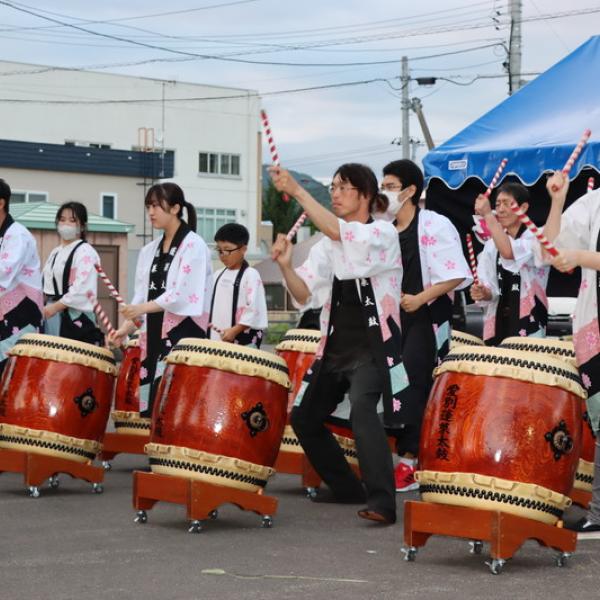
[(172, 286)]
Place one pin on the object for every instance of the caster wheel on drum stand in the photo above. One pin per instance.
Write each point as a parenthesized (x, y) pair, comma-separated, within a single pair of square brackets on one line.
[(141, 517), (53, 482), (97, 488), (34, 491), (410, 553), (476, 547), (213, 515), (496, 565), (311, 492), (561, 559), (266, 522), (106, 465), (195, 526)]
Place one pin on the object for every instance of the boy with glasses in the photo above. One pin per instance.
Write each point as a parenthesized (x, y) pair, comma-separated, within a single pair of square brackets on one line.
[(238, 308)]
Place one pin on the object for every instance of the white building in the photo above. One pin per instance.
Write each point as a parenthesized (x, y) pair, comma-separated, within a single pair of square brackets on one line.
[(208, 136)]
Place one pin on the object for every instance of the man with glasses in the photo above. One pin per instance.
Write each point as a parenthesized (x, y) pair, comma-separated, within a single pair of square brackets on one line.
[(238, 308), (434, 266), (358, 261)]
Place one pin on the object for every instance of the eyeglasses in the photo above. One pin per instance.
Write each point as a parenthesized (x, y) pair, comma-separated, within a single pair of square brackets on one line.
[(342, 188), (390, 187), (224, 252)]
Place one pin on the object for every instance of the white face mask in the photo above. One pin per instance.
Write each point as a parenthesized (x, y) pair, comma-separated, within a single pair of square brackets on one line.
[(68, 232), (394, 205)]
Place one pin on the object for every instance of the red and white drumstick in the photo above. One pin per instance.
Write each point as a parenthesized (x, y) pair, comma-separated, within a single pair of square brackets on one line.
[(102, 316), (532, 227), (590, 185), (496, 177), (113, 290), (295, 228), (271, 143), (574, 155), (472, 258)]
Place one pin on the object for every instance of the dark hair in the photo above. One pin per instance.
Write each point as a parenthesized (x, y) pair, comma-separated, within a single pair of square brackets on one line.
[(233, 232), (517, 190), (170, 194), (79, 212), (409, 174), (5, 194), (364, 180)]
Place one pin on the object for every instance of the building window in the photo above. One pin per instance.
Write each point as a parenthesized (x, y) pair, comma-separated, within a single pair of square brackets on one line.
[(211, 219), (213, 163), (19, 197), (85, 144), (108, 206)]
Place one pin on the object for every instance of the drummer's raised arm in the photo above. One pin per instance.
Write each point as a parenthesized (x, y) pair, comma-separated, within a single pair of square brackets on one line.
[(324, 220)]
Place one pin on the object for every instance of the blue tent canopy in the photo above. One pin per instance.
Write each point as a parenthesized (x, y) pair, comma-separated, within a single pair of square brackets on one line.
[(536, 128)]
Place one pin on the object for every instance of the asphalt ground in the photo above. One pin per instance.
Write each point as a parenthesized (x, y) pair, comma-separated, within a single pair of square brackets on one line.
[(72, 544)]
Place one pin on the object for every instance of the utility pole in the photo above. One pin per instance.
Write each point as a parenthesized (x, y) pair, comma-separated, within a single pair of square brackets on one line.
[(404, 79), (515, 47), (417, 107)]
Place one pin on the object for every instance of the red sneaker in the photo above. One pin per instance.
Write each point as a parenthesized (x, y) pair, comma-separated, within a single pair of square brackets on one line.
[(405, 478)]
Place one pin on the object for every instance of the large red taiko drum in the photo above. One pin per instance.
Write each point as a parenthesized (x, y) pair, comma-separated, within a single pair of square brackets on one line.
[(126, 414), (219, 414), (502, 431), (564, 350), (460, 338), (55, 397), (298, 348)]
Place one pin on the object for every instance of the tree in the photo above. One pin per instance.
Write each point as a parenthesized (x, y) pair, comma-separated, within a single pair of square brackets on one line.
[(281, 213)]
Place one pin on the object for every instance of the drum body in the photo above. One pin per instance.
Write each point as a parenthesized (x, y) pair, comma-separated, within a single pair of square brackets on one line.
[(502, 431), (298, 348), (55, 397), (563, 349), (126, 414), (219, 414)]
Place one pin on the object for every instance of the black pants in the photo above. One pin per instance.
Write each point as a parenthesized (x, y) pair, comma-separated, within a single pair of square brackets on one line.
[(365, 387), (418, 356)]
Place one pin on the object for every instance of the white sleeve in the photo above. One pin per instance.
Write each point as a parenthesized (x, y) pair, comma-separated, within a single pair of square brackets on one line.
[(83, 279), (576, 225), (316, 272), (187, 288), (445, 258), (13, 256), (487, 271), (365, 249), (252, 304), (523, 252), (141, 282)]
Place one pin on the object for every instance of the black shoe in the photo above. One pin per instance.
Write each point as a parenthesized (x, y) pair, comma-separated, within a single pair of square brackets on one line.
[(328, 497), (586, 530)]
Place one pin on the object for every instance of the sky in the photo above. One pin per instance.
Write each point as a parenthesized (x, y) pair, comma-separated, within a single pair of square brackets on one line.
[(349, 49)]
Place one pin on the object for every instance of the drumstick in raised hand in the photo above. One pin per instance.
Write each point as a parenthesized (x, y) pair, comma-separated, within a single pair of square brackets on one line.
[(544, 241), (496, 177), (271, 143), (472, 259), (574, 155), (113, 291), (590, 184)]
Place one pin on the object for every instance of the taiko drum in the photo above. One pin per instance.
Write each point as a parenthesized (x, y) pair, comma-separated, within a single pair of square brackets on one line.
[(502, 431), (219, 414), (55, 397), (126, 414), (564, 350), (460, 338), (298, 348)]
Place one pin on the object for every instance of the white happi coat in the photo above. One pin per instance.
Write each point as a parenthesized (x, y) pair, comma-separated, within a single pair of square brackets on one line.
[(83, 277), (580, 228), (20, 278), (189, 284), (252, 304), (534, 277)]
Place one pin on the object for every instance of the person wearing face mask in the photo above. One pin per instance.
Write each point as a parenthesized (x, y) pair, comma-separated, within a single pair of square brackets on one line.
[(69, 276), (434, 266), (20, 280)]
